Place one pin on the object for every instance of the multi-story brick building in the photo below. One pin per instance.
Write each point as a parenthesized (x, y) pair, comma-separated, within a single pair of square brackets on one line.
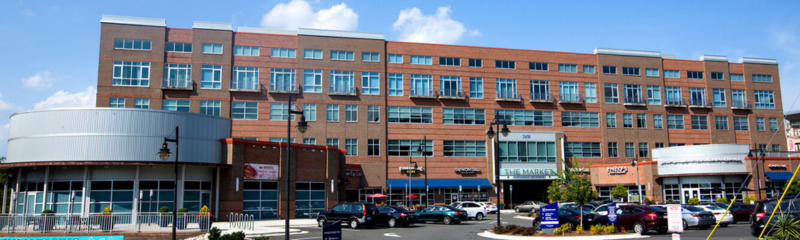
[(380, 100)]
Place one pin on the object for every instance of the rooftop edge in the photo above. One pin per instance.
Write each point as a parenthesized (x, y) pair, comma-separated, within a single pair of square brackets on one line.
[(339, 33), (213, 26), (266, 31), (758, 60), (156, 22), (716, 58), (625, 52)]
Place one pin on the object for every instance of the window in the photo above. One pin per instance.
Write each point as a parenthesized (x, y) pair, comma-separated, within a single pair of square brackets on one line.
[(540, 90), (476, 87), (643, 150), (210, 76), (672, 73), (579, 119), (245, 78), (762, 146), (129, 73), (475, 62), (395, 84), (106, 193), (717, 76), (588, 69), (351, 146), (395, 58), (312, 53), (132, 44), (370, 57), (449, 61), (421, 85), (244, 110), (423, 60), (175, 105), (674, 121), (569, 91), (721, 122), (719, 97), (507, 88), (513, 151), (740, 124), (505, 64), (609, 69), (310, 111), (177, 75), (776, 147), (582, 149), (630, 71), (370, 83), (142, 103), (208, 107), (310, 141), (773, 124), (310, 199), (464, 148), (537, 66), (341, 82), (611, 120), (737, 77), (342, 55), (280, 140), (658, 121), (590, 92), (694, 75), (332, 142), (212, 48), (673, 95), (651, 72), (760, 124), (191, 194), (162, 195), (409, 114), (373, 113), (408, 147), (633, 94), (351, 113), (525, 117), (116, 102), (282, 80), (612, 149), (738, 98), (659, 145), (246, 51), (611, 93), (697, 96), (373, 147), (641, 120), (469, 116), (450, 86), (764, 99), (178, 47), (762, 78), (288, 53), (699, 122), (332, 112), (677, 144), (312, 80), (627, 120), (654, 95), (567, 68), (629, 150)]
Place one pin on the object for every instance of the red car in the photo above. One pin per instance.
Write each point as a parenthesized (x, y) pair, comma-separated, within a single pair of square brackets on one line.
[(741, 212), (640, 219)]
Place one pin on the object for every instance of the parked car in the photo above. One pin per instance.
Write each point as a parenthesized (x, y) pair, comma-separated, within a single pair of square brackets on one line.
[(575, 206), (603, 209), (741, 212), (638, 218), (529, 206), (393, 216), (758, 219), (717, 204), (697, 217), (354, 214), (444, 214), (571, 217), (490, 207), (602, 201), (718, 214), (474, 210)]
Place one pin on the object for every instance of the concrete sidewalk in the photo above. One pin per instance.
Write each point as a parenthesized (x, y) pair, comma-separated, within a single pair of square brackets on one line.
[(266, 227)]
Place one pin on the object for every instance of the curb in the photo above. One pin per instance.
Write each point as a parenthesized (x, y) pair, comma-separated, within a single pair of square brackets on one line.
[(521, 217), (491, 235)]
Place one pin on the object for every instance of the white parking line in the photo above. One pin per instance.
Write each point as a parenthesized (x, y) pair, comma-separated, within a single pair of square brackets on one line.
[(390, 235), (352, 230)]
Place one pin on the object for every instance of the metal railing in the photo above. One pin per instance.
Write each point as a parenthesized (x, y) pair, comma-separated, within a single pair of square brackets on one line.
[(543, 97), (697, 102), (171, 83), (282, 87), (675, 102), (635, 100), (507, 95), (342, 89), (241, 221), (245, 85), (572, 98), (422, 92), (142, 222), (451, 93), (741, 105)]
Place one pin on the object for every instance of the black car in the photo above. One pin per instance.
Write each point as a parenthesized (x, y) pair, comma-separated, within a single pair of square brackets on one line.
[(394, 216), (354, 214), (758, 219), (598, 202), (571, 217)]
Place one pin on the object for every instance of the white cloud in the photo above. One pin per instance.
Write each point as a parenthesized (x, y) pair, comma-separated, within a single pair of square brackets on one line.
[(4, 106), (298, 13), (787, 39), (39, 81), (62, 99), (439, 28)]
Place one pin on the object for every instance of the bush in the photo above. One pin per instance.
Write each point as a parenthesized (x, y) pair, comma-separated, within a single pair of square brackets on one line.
[(693, 201), (529, 231), (213, 233), (610, 229), (565, 228), (233, 236), (579, 230), (722, 200), (163, 209), (557, 231), (183, 210), (530, 214), (261, 238), (47, 212), (748, 199), (595, 229)]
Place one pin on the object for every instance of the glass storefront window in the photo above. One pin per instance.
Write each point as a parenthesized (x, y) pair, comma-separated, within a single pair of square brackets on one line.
[(309, 199)]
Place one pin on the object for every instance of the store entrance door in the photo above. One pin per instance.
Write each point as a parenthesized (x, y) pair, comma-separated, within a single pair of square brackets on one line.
[(450, 198), (689, 193)]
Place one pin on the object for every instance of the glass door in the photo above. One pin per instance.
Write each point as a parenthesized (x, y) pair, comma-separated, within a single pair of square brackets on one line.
[(689, 194), (30, 203)]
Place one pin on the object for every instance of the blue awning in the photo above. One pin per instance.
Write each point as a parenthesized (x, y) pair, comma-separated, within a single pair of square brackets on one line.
[(440, 183), (779, 176)]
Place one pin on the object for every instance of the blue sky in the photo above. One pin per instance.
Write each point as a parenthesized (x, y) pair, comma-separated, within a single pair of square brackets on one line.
[(51, 47)]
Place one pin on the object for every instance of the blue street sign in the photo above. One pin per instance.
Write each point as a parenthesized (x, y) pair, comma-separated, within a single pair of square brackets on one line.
[(332, 231), (549, 216), (612, 213)]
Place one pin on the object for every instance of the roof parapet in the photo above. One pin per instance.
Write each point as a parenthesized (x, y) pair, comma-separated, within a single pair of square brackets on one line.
[(669, 56), (266, 31), (213, 26), (155, 22), (758, 61), (624, 52), (338, 33), (716, 58)]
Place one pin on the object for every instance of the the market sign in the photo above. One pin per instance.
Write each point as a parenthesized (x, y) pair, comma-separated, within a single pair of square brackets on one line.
[(527, 170)]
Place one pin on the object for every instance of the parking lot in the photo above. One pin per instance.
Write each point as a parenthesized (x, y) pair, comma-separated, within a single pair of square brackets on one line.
[(470, 229)]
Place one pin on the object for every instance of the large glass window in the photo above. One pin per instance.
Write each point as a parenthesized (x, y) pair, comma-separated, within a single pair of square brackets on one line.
[(351, 113), (633, 94), (673, 95), (569, 91), (178, 47), (410, 114), (282, 80), (630, 71), (450, 61), (672, 73), (373, 113), (501, 64), (740, 124), (525, 117), (341, 82), (370, 83), (130, 73), (654, 95), (260, 199), (332, 112), (651, 72), (611, 120), (424, 60), (694, 74), (475, 62), (373, 147), (588, 69), (717, 76), (760, 125), (611, 93), (210, 76), (177, 75), (643, 150), (117, 194), (609, 69), (450, 86), (737, 77), (540, 90), (699, 122), (312, 80), (721, 122), (312, 53), (773, 124), (212, 48), (196, 194), (142, 103), (244, 110), (590, 92), (245, 78), (421, 85), (567, 68), (332, 142), (115, 102), (764, 99), (175, 105), (762, 78), (507, 88), (246, 51), (370, 57), (630, 150), (719, 97), (395, 58), (697, 96), (579, 119), (627, 120), (464, 148), (463, 116), (162, 195), (513, 151), (351, 145), (641, 120), (132, 44), (658, 121), (283, 52), (582, 149), (409, 147), (674, 121), (476, 87), (59, 199), (310, 111), (309, 199), (280, 111), (395, 84), (342, 55), (738, 98), (612, 150), (210, 107)]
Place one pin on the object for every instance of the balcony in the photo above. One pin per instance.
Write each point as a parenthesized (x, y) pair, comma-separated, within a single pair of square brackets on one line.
[(673, 102), (456, 94), (507, 96), (571, 99), (342, 90), (176, 84), (700, 103), (741, 105), (539, 97), (422, 93), (635, 101), (245, 86), (283, 87)]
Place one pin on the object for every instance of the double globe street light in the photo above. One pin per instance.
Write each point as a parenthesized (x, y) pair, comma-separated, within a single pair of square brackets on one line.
[(496, 144)]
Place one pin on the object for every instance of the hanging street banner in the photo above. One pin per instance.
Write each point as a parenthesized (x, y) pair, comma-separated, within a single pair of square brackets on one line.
[(612, 213), (261, 171)]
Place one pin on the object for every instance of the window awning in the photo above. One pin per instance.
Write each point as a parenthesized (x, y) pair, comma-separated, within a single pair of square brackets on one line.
[(779, 176), (440, 183)]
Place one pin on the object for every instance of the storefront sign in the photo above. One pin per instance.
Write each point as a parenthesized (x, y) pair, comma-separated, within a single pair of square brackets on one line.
[(617, 170), (410, 169), (467, 170), (702, 161), (118, 237), (777, 166), (523, 170), (549, 216), (353, 173), (674, 218), (261, 171)]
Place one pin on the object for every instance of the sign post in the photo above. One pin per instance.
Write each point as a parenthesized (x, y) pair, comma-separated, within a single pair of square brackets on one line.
[(511, 193), (674, 218), (612, 213), (332, 231), (549, 217)]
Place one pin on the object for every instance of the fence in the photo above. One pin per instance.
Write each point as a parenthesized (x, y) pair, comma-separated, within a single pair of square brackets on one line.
[(143, 222), (241, 221)]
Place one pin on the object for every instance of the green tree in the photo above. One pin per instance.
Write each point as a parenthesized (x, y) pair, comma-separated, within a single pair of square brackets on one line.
[(580, 191), (619, 192), (554, 191), (794, 188)]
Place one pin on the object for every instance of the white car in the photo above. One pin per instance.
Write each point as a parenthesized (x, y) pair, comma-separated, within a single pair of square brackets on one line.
[(718, 211), (603, 209), (474, 209), (490, 207)]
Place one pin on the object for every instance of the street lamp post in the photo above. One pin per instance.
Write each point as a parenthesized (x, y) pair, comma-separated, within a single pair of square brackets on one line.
[(496, 143), (635, 163), (420, 151), (302, 126), (164, 154)]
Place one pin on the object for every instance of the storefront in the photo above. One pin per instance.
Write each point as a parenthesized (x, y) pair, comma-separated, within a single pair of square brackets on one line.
[(705, 172), (528, 164), (607, 176)]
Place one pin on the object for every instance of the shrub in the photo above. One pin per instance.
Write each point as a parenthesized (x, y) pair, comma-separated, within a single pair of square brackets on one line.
[(722, 200), (530, 213), (213, 233), (183, 210), (693, 201), (232, 236), (565, 228), (261, 238), (529, 231), (748, 199), (163, 209), (517, 230), (47, 212), (610, 229), (595, 229), (786, 227), (557, 231), (579, 230), (107, 210)]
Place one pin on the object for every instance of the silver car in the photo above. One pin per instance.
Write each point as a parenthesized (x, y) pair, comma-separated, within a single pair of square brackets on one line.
[(697, 217), (529, 206)]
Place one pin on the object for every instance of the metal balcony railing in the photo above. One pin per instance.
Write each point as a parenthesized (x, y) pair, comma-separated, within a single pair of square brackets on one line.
[(451, 93), (339, 89), (422, 93), (700, 103), (508, 96), (283, 87), (570, 98), (541, 97), (635, 100), (675, 102), (178, 84), (245, 86), (741, 105)]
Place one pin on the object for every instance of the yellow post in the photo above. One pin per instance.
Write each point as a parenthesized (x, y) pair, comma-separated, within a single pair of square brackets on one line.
[(723, 216), (779, 201)]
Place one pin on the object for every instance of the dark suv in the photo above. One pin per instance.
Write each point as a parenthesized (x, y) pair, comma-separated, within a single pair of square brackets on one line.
[(353, 214), (758, 219)]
